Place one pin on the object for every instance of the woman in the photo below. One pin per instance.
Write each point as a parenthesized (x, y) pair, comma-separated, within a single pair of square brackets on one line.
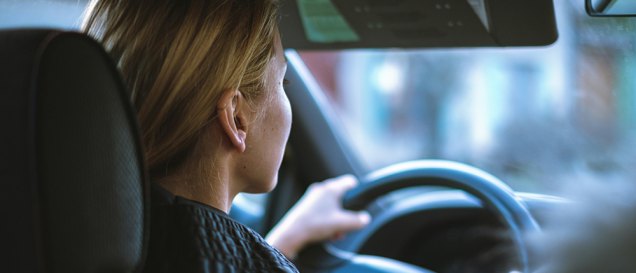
[(207, 81)]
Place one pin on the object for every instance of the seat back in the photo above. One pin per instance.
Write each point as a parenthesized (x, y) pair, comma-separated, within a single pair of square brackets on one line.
[(73, 195)]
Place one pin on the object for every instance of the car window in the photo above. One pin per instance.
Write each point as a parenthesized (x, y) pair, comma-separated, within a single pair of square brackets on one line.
[(534, 117), (64, 14)]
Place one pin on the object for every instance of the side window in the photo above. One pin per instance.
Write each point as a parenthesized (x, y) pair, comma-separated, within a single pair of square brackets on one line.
[(42, 13)]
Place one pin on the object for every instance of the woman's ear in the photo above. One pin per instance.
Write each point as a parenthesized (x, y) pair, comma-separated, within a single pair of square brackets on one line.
[(231, 117)]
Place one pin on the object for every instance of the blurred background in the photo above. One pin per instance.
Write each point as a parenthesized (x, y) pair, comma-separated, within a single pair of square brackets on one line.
[(535, 117)]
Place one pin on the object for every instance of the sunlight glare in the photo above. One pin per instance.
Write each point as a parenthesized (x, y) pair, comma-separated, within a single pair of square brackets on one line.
[(389, 78)]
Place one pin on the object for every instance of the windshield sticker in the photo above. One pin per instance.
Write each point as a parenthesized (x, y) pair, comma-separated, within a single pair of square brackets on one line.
[(323, 23)]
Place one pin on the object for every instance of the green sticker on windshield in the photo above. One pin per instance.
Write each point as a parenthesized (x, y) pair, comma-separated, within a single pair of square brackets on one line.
[(323, 23)]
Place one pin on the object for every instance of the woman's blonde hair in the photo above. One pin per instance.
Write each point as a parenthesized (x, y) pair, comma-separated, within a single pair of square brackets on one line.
[(177, 56)]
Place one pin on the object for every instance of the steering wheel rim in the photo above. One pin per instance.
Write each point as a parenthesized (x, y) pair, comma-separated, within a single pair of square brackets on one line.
[(492, 192)]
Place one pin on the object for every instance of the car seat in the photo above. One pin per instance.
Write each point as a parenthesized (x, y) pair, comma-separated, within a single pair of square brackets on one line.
[(73, 194)]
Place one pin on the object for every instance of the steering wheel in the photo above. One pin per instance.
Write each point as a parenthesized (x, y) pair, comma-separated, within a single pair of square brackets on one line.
[(492, 192)]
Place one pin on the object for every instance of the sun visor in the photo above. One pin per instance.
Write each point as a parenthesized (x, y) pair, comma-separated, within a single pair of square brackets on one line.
[(342, 24)]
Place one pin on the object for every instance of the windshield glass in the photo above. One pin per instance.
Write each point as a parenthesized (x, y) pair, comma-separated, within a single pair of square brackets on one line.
[(534, 117)]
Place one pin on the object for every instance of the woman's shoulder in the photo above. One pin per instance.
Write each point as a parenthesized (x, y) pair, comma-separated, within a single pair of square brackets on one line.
[(188, 236)]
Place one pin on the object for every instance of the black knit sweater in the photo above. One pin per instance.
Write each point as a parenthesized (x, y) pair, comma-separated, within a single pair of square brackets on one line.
[(190, 237)]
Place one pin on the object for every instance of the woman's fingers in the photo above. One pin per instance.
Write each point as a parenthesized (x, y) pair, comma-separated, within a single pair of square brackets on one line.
[(339, 185), (350, 221)]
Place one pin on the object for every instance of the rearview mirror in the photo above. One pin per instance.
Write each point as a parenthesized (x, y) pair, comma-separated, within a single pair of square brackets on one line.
[(610, 8)]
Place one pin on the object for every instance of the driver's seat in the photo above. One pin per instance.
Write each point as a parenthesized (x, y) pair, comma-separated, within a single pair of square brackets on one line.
[(73, 196)]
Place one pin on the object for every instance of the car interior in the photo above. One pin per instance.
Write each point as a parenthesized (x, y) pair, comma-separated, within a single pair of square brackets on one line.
[(75, 195)]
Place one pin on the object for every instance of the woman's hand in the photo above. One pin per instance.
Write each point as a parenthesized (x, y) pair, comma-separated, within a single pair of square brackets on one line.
[(317, 216)]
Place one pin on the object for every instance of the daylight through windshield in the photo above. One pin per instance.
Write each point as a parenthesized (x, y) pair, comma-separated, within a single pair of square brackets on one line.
[(535, 117)]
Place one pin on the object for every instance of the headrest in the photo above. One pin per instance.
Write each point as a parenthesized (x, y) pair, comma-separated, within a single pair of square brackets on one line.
[(73, 195)]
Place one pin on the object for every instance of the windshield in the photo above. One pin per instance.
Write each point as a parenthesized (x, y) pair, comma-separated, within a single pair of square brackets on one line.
[(534, 117)]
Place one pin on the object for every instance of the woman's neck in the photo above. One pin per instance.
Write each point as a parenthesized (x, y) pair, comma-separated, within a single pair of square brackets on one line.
[(209, 185)]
